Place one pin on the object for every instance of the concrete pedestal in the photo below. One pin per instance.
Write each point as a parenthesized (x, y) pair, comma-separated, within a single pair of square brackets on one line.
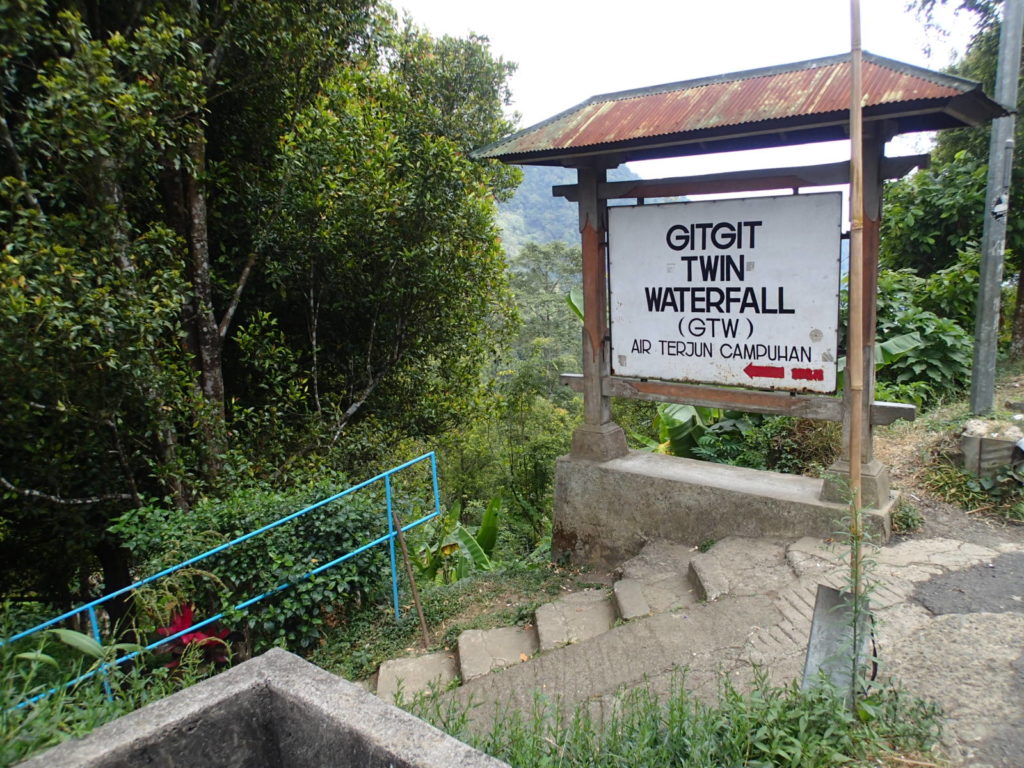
[(606, 511), (874, 484), (599, 443)]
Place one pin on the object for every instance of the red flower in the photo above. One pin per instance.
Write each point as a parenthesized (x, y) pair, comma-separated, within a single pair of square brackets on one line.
[(181, 620)]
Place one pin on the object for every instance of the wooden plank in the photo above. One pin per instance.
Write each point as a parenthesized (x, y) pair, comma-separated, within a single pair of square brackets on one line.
[(742, 181), (819, 407), (596, 405), (751, 401)]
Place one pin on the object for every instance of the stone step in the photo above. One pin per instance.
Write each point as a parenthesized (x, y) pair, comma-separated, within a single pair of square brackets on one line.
[(630, 601), (574, 618), (482, 651), (655, 581), (739, 566), (416, 674), (707, 640)]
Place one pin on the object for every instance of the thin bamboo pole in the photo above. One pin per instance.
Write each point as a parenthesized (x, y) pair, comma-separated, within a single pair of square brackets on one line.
[(855, 351)]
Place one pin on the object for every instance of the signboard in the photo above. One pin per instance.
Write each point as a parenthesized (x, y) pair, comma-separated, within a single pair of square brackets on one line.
[(741, 291)]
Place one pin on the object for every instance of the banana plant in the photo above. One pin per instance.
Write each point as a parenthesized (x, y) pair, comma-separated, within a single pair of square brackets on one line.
[(679, 428), (886, 352), (457, 551)]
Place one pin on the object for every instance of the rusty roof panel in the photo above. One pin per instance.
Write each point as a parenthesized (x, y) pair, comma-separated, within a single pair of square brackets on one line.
[(684, 110)]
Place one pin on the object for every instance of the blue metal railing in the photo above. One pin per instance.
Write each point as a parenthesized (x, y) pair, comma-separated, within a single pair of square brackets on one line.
[(90, 608)]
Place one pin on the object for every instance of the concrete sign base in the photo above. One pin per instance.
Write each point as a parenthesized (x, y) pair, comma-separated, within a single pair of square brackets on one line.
[(606, 511), (874, 478)]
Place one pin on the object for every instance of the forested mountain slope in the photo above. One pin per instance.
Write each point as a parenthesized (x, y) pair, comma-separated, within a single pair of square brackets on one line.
[(533, 215)]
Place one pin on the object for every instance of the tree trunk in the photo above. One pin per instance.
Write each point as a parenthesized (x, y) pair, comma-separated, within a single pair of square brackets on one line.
[(116, 564), (207, 333), (1017, 342)]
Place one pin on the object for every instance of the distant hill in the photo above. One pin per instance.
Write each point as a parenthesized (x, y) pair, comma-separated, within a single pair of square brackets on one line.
[(533, 215)]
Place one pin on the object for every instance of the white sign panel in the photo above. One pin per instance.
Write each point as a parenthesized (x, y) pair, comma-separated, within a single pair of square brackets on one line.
[(741, 291)]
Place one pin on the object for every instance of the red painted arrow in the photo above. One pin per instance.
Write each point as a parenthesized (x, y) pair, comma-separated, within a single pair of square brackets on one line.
[(809, 374), (764, 371)]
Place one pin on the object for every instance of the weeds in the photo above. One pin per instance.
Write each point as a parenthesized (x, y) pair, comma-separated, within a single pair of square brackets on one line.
[(28, 670), (905, 517), (1000, 495), (770, 726)]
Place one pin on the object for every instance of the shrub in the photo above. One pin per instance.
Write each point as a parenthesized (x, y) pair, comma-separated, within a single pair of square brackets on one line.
[(776, 443), (160, 537), (35, 665), (943, 360)]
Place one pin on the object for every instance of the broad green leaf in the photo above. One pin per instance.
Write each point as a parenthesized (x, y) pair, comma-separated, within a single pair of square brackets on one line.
[(487, 536), (127, 647), (472, 549), (78, 641), (574, 298), (895, 347)]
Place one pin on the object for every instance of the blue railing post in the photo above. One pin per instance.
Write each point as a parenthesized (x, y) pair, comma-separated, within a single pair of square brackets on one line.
[(392, 533), (433, 476), (99, 639)]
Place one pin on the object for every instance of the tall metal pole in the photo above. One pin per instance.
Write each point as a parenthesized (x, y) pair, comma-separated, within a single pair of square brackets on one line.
[(997, 199), (855, 345)]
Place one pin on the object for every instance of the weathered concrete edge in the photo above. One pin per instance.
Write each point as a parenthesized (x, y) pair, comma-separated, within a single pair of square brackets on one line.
[(120, 738), (280, 675), (394, 732), (605, 512)]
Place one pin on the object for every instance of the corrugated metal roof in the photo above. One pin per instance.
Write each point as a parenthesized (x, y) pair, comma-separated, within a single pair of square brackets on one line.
[(808, 100)]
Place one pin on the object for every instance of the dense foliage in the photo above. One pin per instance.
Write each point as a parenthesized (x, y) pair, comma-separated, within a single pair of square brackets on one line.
[(160, 538), (239, 239)]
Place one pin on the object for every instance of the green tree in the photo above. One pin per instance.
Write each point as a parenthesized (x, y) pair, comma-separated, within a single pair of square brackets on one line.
[(542, 277), (385, 228), (943, 209), (181, 176), (934, 215)]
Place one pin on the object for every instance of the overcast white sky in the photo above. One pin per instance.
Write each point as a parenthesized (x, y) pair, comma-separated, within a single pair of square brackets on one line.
[(569, 50)]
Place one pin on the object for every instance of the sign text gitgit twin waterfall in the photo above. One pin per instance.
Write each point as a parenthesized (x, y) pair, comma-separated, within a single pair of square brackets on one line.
[(741, 291)]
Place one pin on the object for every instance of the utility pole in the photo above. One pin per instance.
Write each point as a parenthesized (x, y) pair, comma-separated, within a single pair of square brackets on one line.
[(997, 201)]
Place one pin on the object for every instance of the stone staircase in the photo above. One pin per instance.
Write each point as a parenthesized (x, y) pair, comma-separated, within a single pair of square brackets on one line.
[(743, 604), (664, 577), (746, 605)]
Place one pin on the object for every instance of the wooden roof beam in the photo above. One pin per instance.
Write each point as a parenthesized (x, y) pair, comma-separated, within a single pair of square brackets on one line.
[(824, 175)]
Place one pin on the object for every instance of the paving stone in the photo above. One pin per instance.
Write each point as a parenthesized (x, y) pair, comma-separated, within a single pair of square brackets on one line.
[(484, 650), (415, 674), (573, 618), (751, 566), (630, 600), (669, 591), (811, 555), (662, 569), (945, 553), (657, 558), (708, 577), (972, 665)]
